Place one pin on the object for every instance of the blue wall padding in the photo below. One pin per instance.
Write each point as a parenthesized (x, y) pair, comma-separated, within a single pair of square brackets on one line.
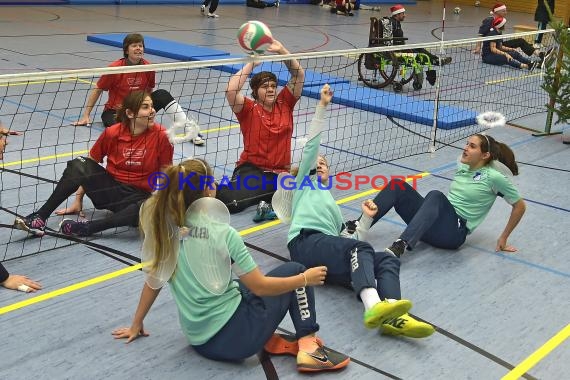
[(349, 94), (162, 48), (312, 78), (396, 105)]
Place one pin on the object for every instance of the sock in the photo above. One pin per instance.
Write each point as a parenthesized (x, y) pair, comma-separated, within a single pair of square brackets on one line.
[(175, 112), (369, 297), (308, 343)]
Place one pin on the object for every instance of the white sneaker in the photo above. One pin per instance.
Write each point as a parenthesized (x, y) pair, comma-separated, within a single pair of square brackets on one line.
[(537, 46), (202, 9), (212, 15), (198, 140)]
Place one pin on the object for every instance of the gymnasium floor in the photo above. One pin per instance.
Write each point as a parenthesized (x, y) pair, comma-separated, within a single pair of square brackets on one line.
[(491, 310)]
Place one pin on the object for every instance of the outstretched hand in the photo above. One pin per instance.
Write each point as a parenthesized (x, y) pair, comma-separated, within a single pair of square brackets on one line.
[(326, 95), (21, 283), (277, 47), (131, 333), (503, 246)]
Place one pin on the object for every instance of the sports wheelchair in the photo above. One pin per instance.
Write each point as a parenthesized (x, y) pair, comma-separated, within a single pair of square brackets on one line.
[(396, 68)]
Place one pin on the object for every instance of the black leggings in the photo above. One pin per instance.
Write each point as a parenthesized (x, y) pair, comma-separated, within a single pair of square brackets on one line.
[(104, 191), (249, 186)]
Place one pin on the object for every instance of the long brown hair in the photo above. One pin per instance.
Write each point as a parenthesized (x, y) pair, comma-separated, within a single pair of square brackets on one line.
[(132, 102), (166, 208), (498, 151)]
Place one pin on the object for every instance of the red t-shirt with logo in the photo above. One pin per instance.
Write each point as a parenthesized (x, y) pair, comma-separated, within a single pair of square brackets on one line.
[(267, 134), (121, 85), (131, 159)]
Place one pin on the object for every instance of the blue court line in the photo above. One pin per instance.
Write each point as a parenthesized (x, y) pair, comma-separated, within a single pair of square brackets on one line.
[(507, 256)]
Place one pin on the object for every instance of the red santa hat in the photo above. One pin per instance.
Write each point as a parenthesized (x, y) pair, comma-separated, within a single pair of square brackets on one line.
[(397, 9), (499, 7), (499, 22)]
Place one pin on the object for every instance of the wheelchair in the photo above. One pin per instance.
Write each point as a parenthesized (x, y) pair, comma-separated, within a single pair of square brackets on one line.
[(396, 68)]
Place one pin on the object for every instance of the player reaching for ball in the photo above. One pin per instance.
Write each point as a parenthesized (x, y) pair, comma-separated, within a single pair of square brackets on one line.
[(266, 123), (318, 236)]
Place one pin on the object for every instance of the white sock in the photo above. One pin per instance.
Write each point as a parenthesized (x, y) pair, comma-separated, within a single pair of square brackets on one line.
[(369, 297), (175, 112)]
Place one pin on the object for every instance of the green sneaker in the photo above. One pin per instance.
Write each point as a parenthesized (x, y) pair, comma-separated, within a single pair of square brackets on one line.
[(407, 326), (385, 310)]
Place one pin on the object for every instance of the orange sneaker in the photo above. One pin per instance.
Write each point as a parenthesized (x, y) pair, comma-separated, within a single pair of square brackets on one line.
[(282, 344)]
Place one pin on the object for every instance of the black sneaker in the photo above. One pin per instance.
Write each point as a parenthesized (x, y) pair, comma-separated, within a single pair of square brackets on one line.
[(32, 223), (397, 248), (533, 65), (74, 227)]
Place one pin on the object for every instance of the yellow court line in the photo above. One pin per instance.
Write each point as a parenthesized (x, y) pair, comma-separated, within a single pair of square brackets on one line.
[(538, 355), (23, 83), (80, 152), (512, 78), (52, 157), (96, 280), (68, 289)]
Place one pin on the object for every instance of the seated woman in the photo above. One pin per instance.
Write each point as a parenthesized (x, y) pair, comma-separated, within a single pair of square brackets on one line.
[(495, 53), (189, 243), (266, 123), (445, 222), (135, 148), (120, 85), (317, 237)]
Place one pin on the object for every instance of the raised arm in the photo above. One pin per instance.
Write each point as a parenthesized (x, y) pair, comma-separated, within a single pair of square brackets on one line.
[(517, 213), (233, 90), (297, 79), (311, 149), (148, 296), (91, 101)]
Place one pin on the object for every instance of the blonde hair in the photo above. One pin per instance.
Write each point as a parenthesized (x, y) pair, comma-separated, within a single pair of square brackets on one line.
[(165, 210)]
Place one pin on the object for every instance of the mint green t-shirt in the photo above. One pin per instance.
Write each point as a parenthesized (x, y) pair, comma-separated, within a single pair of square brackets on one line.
[(313, 208), (473, 192), (201, 313)]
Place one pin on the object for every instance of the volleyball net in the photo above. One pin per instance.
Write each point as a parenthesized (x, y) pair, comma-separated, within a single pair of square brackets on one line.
[(389, 103)]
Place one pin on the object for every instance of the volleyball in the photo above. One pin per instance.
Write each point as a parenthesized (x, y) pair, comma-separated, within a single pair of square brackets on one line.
[(477, 3), (254, 37), (457, 10)]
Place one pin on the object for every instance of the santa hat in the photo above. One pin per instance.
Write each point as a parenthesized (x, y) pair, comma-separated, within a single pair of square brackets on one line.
[(397, 9), (499, 22), (499, 7)]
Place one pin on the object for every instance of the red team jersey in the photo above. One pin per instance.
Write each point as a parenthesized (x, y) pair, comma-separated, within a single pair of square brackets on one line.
[(267, 135), (121, 85), (131, 159)]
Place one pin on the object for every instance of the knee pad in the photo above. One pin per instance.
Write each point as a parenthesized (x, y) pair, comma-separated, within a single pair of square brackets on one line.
[(81, 167), (160, 99)]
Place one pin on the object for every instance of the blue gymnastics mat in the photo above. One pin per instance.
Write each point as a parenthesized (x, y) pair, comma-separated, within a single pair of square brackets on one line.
[(349, 94), (398, 106), (162, 47)]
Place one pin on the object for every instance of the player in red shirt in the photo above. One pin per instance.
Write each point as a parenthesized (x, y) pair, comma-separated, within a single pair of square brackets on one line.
[(135, 148), (120, 85), (266, 122)]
